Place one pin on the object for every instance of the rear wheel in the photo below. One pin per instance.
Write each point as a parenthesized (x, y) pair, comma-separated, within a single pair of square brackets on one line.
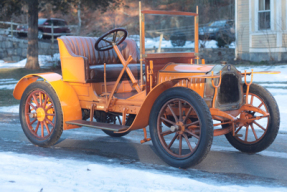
[(258, 135), (41, 115), (181, 127)]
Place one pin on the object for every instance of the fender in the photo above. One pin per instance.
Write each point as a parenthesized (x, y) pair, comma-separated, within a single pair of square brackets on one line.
[(68, 98), (142, 118)]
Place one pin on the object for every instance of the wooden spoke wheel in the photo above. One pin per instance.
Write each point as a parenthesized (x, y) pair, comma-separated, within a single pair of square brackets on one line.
[(181, 127), (257, 135), (40, 114)]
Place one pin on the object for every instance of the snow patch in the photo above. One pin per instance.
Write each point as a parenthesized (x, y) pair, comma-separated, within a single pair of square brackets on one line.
[(32, 173), (45, 61), (10, 109)]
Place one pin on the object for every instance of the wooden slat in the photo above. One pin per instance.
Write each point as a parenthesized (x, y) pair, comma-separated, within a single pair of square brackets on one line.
[(157, 12)]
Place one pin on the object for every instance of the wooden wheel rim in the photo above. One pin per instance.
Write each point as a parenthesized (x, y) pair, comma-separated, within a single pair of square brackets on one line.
[(252, 125), (40, 114), (191, 129)]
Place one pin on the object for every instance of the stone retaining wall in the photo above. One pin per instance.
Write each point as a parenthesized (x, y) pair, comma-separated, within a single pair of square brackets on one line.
[(16, 50)]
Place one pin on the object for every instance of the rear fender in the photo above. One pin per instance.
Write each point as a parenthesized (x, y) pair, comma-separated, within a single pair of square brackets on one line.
[(68, 98)]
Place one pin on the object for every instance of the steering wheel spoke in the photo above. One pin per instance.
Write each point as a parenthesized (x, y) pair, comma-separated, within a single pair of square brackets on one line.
[(101, 47)]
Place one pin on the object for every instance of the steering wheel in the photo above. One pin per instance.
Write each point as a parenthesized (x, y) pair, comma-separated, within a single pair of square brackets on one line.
[(114, 41)]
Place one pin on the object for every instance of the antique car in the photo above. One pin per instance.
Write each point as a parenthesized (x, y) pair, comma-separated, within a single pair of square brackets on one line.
[(109, 83)]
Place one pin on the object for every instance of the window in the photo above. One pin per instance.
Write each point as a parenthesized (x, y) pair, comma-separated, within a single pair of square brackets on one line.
[(264, 14)]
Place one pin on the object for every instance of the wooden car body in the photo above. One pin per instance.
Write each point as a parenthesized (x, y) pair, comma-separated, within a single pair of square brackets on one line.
[(87, 85)]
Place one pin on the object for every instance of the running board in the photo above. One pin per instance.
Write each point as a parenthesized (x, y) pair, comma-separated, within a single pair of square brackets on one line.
[(97, 125)]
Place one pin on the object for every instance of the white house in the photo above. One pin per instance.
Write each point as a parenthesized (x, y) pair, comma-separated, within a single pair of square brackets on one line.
[(261, 32)]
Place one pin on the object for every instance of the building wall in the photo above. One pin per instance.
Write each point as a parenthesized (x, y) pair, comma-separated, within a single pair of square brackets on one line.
[(258, 45), (264, 41)]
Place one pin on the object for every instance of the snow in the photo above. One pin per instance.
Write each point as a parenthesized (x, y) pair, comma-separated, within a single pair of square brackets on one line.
[(20, 172), (8, 83), (45, 61), (10, 109)]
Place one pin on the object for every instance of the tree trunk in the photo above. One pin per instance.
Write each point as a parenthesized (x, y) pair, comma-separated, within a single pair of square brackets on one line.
[(79, 18), (32, 51)]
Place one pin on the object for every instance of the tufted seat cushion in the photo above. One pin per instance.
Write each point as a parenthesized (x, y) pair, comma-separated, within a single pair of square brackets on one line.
[(84, 46)]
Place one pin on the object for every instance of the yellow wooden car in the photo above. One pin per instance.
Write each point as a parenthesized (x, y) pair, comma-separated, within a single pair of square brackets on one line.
[(108, 83)]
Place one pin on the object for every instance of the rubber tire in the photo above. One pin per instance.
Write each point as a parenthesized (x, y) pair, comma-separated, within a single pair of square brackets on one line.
[(203, 112), (57, 132), (273, 126), (111, 133)]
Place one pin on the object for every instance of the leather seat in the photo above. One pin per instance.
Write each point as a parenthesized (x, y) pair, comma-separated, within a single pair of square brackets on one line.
[(84, 46)]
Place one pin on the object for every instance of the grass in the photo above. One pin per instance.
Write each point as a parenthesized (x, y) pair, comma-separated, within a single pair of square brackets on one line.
[(6, 95)]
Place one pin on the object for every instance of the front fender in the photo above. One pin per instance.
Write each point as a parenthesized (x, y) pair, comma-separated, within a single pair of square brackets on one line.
[(142, 118), (68, 98)]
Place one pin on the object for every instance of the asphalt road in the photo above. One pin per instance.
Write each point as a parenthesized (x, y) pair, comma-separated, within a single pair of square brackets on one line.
[(223, 163)]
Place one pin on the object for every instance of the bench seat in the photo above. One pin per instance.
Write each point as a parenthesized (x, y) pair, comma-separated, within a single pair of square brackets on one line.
[(93, 61)]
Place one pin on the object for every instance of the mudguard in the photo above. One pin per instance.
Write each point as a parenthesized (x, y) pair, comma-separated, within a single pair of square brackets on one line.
[(142, 118), (70, 104)]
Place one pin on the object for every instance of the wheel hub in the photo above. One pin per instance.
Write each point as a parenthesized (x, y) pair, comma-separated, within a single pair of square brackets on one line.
[(40, 114), (246, 116)]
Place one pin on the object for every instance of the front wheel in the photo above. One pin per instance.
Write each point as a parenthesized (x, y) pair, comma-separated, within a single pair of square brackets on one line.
[(181, 127), (41, 115), (258, 135)]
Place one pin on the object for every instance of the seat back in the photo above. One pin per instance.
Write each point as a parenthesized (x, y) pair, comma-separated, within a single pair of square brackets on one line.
[(84, 46)]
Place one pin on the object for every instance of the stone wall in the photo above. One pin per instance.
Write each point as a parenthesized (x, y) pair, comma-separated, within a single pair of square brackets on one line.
[(16, 49)]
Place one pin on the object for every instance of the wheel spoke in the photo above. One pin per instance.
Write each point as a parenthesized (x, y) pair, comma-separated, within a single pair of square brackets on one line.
[(42, 129), (187, 141), (179, 110), (49, 114), (115, 36), (252, 97), (37, 127), (238, 130), (35, 100), (254, 133), (172, 141), (33, 121), (49, 107), (166, 132), (188, 113), (47, 128), (45, 101), (49, 121), (107, 42), (259, 126), (174, 116), (180, 145), (32, 106), (166, 120), (260, 105), (40, 98), (246, 133), (193, 123), (194, 135)]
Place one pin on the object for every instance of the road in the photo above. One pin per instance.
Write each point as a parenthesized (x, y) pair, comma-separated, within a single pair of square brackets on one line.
[(223, 164)]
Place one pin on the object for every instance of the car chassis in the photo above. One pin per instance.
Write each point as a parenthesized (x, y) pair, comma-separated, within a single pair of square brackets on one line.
[(178, 99)]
